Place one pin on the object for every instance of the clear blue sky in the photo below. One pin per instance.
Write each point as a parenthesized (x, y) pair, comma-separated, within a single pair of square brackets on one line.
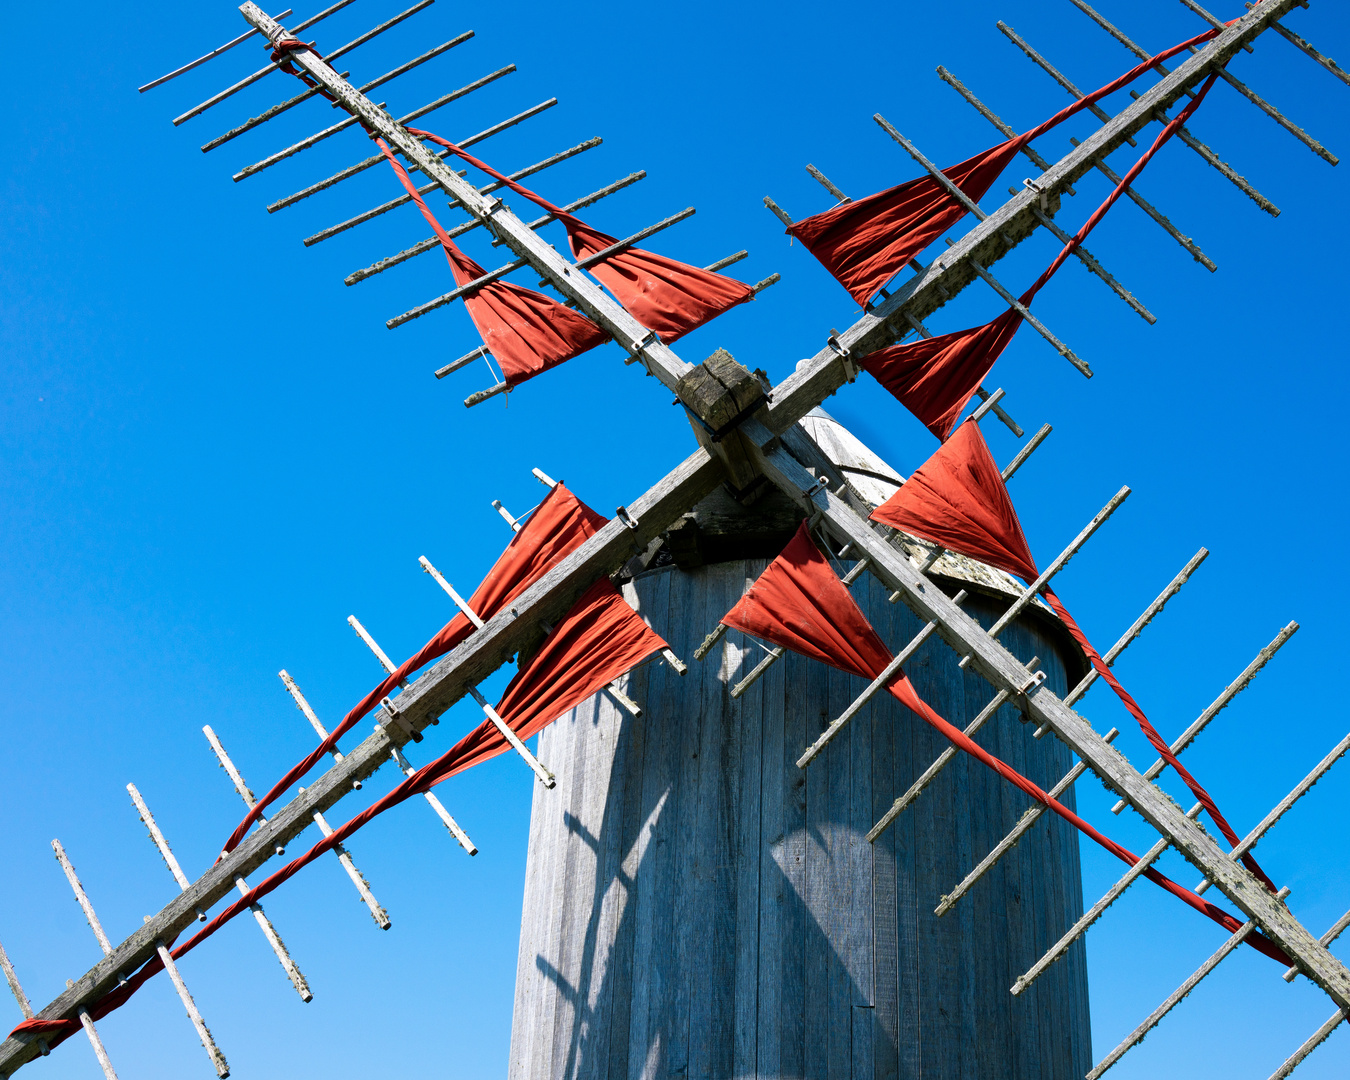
[(213, 452)]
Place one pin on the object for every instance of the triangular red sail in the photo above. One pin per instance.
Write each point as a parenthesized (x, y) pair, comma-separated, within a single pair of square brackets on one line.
[(864, 244), (957, 498), (560, 525), (599, 639), (664, 295), (526, 332), (800, 603), (934, 378)]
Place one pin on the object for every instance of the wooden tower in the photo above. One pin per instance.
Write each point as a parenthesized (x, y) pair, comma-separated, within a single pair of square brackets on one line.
[(774, 841)]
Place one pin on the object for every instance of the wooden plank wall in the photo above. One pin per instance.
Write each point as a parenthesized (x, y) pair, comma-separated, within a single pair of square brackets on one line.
[(698, 907)]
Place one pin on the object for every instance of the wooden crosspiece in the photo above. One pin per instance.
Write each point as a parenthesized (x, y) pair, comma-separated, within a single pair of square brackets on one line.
[(753, 450)]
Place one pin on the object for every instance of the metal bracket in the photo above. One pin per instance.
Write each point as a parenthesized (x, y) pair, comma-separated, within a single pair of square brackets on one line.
[(624, 516), (397, 720), (1034, 681), (1033, 186), (850, 368)]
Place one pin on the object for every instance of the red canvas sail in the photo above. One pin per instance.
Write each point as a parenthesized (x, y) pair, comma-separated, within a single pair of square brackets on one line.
[(864, 244), (526, 332), (664, 295)]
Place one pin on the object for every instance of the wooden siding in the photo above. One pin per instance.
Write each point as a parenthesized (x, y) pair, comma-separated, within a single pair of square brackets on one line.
[(698, 907)]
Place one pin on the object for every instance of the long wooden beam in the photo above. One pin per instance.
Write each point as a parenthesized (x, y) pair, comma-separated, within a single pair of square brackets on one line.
[(420, 706), (992, 239), (1004, 672)]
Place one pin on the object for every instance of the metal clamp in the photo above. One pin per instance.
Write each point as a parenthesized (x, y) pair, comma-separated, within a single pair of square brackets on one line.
[(624, 516), (850, 368), (1034, 187), (397, 719), (1034, 680)]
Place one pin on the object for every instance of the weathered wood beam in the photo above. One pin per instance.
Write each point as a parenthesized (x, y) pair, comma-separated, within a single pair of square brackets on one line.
[(1003, 671), (950, 272), (423, 703)]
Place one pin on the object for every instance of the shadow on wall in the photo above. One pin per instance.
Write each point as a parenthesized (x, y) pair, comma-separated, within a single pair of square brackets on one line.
[(698, 907)]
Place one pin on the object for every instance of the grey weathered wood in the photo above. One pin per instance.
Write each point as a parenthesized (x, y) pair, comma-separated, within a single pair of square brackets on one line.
[(193, 1013), (750, 931), (203, 59)]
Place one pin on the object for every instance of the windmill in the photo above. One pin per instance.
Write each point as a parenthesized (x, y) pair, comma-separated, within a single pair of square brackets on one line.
[(755, 441)]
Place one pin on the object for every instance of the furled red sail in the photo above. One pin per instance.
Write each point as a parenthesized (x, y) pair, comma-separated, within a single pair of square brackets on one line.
[(599, 639), (526, 332), (664, 295), (958, 499), (800, 603), (864, 244), (557, 528)]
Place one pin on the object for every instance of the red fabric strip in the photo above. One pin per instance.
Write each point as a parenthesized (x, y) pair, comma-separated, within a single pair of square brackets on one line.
[(599, 639), (800, 603), (559, 526), (958, 499), (664, 295), (864, 244), (527, 332)]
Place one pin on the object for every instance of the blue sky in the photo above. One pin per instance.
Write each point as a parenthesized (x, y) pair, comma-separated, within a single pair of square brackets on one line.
[(213, 452)]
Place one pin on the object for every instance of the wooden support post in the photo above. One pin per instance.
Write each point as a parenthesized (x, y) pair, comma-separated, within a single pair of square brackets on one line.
[(1284, 805), (1219, 704), (1184, 134), (1337, 928), (942, 761), (1137, 1035), (229, 91), (875, 687), (1114, 893), (402, 762), (358, 879)]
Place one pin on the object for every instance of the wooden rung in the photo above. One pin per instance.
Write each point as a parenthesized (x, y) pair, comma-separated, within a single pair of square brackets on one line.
[(263, 117), (1301, 44), (230, 91), (483, 395), (236, 778), (459, 601), (459, 230), (1337, 928), (82, 898), (1010, 470), (1223, 73), (1061, 561), (441, 812), (943, 760), (1137, 1035), (825, 183), (375, 159), (545, 777), (1230, 691), (1032, 815), (718, 632), (722, 264), (194, 1014), (100, 1052), (1133, 874), (988, 402), (1284, 805), (295, 148), (203, 59), (983, 394), (876, 686), (1316, 1039), (623, 245), (778, 212), (757, 672), (358, 879), (302, 703), (1161, 116), (157, 838), (25, 1006)]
